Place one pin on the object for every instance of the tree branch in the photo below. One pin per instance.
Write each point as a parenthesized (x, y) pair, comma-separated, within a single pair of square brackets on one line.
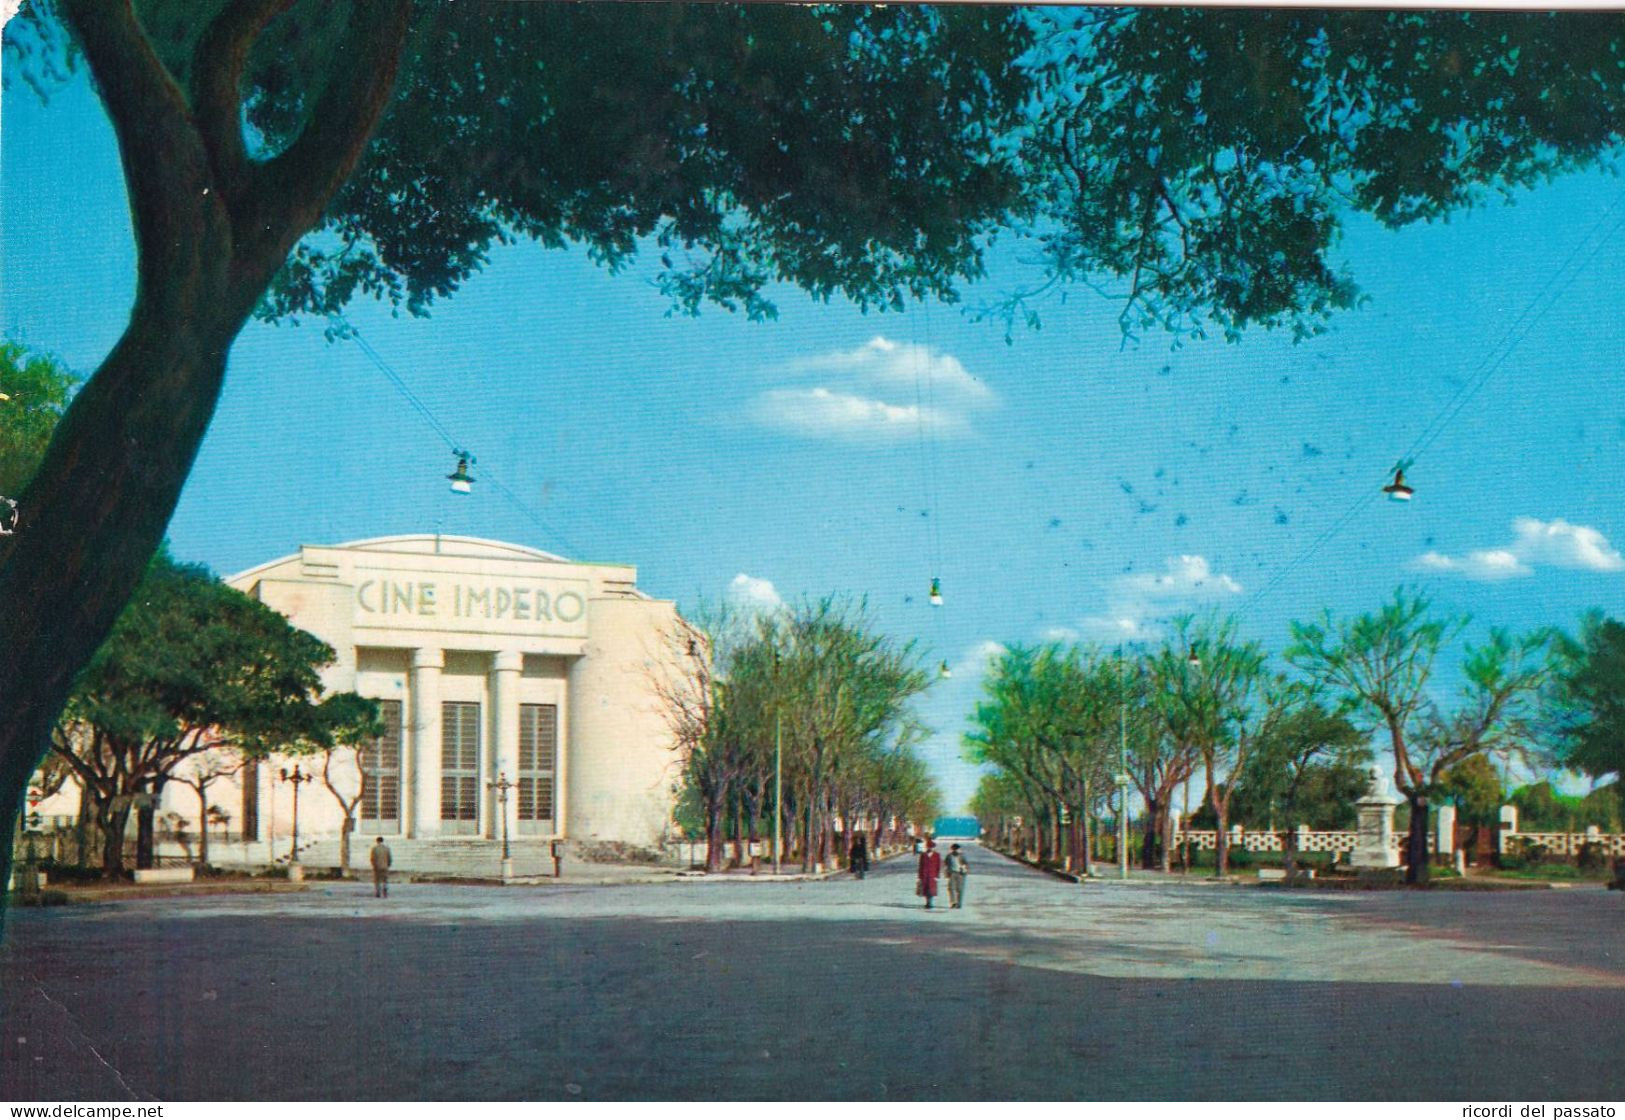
[(217, 71), (165, 166), (291, 191)]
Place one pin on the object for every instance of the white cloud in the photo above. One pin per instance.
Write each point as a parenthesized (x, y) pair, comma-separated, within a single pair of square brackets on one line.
[(1135, 601), (754, 594), (1487, 565), (1565, 546), (1555, 543), (1182, 577), (1063, 634), (883, 390), (882, 362), (976, 660), (1119, 628), (825, 412)]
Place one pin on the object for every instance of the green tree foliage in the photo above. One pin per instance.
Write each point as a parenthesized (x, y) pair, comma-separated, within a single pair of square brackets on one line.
[(1309, 769), (1381, 665), (1591, 699), (282, 159), (1049, 720), (1474, 786), (34, 389), (1542, 809), (820, 685), (192, 667), (351, 723), (1200, 164), (285, 158)]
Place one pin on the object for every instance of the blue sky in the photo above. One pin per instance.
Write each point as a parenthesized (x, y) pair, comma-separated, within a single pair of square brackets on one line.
[(1072, 486)]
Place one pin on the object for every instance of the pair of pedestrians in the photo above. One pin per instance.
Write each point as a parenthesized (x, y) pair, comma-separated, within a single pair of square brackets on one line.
[(931, 869)]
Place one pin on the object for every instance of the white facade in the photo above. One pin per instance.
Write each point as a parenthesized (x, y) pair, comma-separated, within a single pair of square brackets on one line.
[(491, 661)]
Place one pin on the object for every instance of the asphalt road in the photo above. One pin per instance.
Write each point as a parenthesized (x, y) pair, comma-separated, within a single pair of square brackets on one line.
[(818, 990)]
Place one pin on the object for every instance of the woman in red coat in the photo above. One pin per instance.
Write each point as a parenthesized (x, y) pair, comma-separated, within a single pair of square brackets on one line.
[(930, 869)]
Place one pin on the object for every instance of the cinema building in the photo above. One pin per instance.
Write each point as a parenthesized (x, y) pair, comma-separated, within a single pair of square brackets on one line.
[(491, 663)]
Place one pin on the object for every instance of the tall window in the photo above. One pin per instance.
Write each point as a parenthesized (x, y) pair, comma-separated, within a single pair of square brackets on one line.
[(538, 754), (459, 766), (381, 763), (251, 800)]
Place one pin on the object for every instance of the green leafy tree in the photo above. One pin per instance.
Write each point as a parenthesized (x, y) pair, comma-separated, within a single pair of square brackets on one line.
[(1307, 761), (1222, 708), (1591, 699), (822, 683), (284, 158), (1381, 664), (1474, 786), (1199, 165), (34, 390), (1049, 721), (349, 724), (192, 667)]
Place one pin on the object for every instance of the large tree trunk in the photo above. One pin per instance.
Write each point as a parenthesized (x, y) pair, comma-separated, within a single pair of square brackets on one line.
[(211, 230), (203, 824), (113, 823), (346, 830), (1151, 842), (1416, 840), (713, 836), (145, 818)]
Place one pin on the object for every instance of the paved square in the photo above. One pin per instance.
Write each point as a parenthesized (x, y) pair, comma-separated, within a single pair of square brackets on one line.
[(835, 989)]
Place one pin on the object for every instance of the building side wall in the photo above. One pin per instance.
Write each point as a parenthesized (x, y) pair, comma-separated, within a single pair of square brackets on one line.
[(622, 770)]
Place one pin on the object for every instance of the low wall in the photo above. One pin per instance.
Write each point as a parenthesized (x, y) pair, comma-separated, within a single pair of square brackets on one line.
[(1309, 840)]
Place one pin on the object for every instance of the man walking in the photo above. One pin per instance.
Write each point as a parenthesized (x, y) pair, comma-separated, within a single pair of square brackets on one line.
[(957, 869), (380, 869)]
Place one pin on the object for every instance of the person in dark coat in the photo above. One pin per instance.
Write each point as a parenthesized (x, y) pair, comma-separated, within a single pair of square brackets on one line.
[(380, 869), (930, 871), (858, 860)]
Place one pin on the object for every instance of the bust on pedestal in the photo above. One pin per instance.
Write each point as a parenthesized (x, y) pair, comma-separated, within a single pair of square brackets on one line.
[(1373, 846)]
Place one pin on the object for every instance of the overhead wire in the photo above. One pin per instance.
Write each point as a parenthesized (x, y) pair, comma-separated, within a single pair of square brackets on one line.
[(1493, 360), (353, 333)]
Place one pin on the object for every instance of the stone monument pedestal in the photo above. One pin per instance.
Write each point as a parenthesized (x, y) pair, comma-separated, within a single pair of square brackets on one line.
[(1373, 845)]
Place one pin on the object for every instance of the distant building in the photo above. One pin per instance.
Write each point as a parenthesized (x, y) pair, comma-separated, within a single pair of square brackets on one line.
[(488, 659)]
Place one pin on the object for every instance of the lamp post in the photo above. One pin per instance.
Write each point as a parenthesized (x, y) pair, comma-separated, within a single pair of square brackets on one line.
[(778, 765), (296, 779), (32, 823), (1122, 773), (502, 785), (779, 781)]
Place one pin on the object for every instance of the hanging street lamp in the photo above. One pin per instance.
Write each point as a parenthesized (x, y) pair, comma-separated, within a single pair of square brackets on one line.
[(1397, 490), (943, 671), (461, 481), (936, 592)]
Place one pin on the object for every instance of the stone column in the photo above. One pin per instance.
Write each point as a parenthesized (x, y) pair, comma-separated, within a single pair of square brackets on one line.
[(1444, 829), (425, 748), (504, 754), (1373, 846)]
